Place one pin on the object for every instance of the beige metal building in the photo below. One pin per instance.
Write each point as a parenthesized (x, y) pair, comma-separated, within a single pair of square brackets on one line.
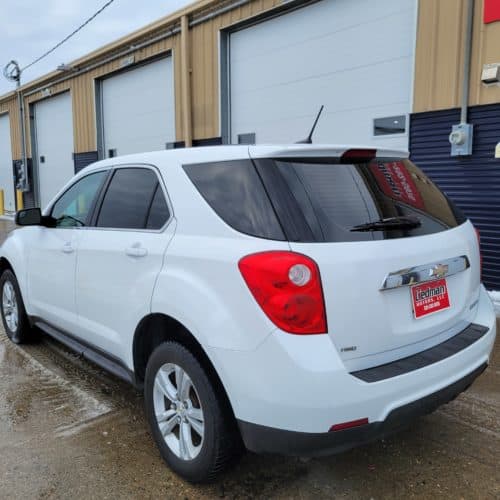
[(390, 73)]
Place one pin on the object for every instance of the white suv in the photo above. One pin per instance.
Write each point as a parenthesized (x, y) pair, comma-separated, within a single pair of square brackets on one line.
[(297, 299)]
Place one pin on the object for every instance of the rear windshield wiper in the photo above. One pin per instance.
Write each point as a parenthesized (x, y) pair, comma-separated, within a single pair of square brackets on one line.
[(389, 224)]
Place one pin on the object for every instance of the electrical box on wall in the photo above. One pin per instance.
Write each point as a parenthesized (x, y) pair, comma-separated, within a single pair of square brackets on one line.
[(461, 139)]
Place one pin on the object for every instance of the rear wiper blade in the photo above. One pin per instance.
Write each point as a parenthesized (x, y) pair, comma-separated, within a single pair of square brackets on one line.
[(389, 224)]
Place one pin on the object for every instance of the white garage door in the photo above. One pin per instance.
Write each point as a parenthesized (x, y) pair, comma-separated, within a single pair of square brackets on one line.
[(6, 172), (355, 57), (137, 108), (54, 144)]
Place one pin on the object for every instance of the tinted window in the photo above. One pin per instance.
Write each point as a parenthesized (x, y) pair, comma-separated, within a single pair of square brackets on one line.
[(326, 200), (158, 213), (235, 192), (73, 207), (128, 198)]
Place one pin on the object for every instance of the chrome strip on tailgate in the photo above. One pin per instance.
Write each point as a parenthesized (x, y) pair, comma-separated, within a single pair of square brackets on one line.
[(426, 272)]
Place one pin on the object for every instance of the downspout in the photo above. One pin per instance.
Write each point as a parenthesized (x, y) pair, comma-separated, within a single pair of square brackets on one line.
[(23, 180), (461, 135), (467, 61), (186, 84)]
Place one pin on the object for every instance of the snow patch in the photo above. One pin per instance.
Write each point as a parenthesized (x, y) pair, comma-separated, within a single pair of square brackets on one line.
[(495, 297)]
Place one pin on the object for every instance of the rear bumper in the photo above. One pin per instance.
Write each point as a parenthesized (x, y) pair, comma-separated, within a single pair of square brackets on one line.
[(262, 439), (299, 383)]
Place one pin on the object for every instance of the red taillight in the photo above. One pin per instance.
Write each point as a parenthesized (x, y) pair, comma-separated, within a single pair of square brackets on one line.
[(480, 255), (287, 286)]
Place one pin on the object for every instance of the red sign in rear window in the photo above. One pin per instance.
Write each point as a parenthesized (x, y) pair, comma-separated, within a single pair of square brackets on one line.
[(396, 182)]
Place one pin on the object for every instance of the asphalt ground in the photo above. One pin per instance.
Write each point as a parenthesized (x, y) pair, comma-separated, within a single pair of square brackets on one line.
[(70, 430)]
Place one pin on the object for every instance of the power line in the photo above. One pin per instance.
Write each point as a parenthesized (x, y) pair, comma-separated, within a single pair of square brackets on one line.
[(107, 4)]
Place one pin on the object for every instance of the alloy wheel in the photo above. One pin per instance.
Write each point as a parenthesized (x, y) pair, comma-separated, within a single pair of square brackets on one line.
[(9, 306), (178, 411)]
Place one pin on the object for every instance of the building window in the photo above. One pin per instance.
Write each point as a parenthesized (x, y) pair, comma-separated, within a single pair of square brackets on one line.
[(389, 125)]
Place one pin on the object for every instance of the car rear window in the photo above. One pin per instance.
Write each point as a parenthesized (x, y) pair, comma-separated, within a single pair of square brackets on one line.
[(334, 202), (324, 200)]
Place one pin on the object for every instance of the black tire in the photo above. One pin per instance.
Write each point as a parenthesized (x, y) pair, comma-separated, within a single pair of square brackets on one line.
[(221, 442), (23, 333)]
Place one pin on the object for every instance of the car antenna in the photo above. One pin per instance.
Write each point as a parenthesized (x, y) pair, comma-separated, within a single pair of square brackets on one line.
[(308, 140)]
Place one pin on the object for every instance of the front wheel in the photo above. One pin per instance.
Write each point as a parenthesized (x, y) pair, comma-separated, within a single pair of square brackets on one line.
[(193, 430), (14, 318)]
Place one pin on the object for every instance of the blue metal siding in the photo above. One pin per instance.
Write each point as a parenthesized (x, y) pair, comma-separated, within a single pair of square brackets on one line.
[(473, 182)]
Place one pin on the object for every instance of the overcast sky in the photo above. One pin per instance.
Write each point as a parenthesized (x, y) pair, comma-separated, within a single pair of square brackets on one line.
[(30, 27)]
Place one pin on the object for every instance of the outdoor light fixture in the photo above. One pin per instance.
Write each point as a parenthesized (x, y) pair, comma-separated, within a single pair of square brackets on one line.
[(66, 68)]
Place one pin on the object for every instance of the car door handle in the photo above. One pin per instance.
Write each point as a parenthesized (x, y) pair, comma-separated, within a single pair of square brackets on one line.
[(136, 251), (68, 248)]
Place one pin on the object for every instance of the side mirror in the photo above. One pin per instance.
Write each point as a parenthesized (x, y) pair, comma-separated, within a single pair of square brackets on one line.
[(29, 217)]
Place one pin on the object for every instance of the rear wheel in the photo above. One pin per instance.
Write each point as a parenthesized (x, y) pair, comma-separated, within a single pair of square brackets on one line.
[(14, 318), (192, 428)]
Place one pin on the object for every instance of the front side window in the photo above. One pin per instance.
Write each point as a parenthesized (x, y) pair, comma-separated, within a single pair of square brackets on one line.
[(72, 209), (133, 200)]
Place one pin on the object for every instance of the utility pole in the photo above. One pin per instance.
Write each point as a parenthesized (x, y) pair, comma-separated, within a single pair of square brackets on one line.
[(12, 72)]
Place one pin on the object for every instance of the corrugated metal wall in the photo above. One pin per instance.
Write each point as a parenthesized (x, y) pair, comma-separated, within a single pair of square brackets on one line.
[(472, 182), (82, 93), (439, 55), (10, 106), (203, 68)]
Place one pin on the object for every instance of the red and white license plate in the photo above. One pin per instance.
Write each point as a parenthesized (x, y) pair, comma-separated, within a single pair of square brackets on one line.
[(429, 298)]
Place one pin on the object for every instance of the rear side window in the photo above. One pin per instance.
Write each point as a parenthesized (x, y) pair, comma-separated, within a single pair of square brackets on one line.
[(158, 213), (235, 192), (329, 201), (133, 200)]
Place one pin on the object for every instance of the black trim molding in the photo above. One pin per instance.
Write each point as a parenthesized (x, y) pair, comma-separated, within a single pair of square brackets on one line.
[(428, 357), (92, 353)]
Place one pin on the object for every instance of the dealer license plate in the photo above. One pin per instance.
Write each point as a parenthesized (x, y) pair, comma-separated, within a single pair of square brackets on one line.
[(429, 298)]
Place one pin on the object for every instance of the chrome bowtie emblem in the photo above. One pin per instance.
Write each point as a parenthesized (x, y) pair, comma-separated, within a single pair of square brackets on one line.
[(438, 271)]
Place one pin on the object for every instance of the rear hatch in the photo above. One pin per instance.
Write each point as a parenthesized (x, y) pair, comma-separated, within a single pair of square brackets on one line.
[(399, 263)]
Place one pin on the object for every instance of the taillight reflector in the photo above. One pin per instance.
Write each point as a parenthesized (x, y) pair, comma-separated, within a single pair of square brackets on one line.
[(287, 286), (349, 425)]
